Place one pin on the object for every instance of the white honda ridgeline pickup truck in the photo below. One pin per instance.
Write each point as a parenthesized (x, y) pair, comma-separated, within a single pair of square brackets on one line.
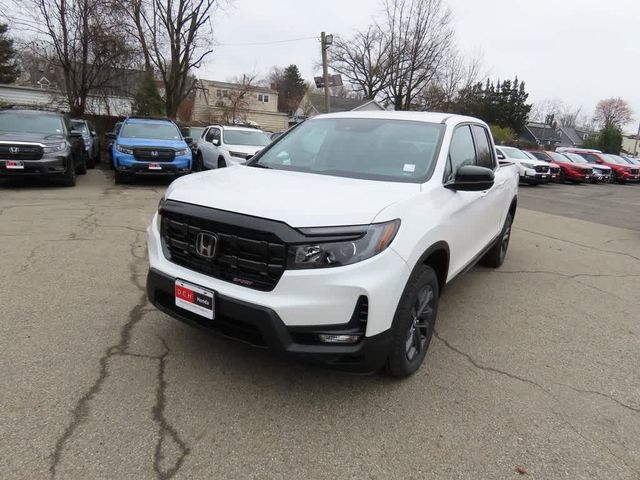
[(334, 243)]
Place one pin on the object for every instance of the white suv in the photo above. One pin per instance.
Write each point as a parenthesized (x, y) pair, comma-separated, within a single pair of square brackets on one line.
[(532, 171), (333, 244), (222, 146)]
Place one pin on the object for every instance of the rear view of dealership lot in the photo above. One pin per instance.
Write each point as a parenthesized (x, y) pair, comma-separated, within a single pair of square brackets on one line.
[(534, 366)]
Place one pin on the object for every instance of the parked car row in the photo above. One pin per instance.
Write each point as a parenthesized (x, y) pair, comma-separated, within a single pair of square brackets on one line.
[(576, 165)]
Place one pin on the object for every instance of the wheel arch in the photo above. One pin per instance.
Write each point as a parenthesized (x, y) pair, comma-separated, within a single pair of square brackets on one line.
[(437, 257)]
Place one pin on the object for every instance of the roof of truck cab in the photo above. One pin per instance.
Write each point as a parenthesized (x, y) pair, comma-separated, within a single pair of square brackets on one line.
[(430, 117)]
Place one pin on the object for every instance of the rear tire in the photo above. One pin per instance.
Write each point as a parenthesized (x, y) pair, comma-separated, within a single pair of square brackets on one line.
[(198, 164), (221, 163), (494, 258), (81, 169), (414, 322), (89, 161)]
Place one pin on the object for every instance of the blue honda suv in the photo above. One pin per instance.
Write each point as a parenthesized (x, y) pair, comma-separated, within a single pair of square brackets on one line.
[(149, 146)]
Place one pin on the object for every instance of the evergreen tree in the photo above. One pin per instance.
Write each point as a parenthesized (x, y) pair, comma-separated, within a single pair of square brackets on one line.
[(291, 88), (8, 67), (147, 101)]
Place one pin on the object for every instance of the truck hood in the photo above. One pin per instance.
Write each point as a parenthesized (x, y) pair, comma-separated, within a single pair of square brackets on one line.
[(298, 199), (30, 137), (145, 142)]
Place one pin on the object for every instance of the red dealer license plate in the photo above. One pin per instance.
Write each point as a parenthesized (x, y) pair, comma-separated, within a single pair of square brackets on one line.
[(14, 165), (196, 299), (154, 166)]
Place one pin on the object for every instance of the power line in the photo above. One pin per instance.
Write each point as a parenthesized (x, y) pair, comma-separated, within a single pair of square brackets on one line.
[(264, 43)]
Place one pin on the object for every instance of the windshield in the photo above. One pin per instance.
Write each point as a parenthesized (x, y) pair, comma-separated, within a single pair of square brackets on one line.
[(529, 155), (575, 158), (617, 160), (196, 132), (379, 149), (558, 157), (153, 131), (514, 153), (79, 125), (248, 138), (31, 123)]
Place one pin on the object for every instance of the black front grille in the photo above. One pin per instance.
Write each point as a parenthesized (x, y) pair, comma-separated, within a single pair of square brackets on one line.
[(245, 257), (555, 170), (634, 171), (542, 168), (150, 154), (20, 152)]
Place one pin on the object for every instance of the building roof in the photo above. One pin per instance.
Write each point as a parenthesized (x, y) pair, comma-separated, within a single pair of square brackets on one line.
[(576, 136), (336, 104), (540, 130)]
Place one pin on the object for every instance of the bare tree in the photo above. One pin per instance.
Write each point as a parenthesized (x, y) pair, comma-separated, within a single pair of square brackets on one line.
[(81, 40), (234, 108), (613, 112), (549, 106), (419, 38), (363, 61), (175, 37), (458, 73), (570, 116)]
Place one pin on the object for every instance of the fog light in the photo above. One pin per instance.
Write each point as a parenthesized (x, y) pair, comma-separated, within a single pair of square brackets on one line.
[(338, 338)]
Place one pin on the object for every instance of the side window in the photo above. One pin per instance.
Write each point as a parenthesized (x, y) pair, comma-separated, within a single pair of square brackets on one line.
[(462, 152), (208, 135), (485, 158), (215, 132), (590, 157)]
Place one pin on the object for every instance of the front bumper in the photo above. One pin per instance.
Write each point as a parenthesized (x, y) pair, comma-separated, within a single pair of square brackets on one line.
[(124, 163), (313, 300), (531, 176), (47, 166), (261, 327), (627, 177)]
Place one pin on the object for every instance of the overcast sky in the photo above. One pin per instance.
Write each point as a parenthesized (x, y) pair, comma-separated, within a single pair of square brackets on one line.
[(579, 51)]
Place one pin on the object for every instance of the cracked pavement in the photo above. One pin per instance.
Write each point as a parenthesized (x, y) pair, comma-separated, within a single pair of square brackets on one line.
[(533, 365)]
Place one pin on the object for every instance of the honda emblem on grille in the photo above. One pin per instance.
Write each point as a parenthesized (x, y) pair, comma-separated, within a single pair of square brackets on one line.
[(14, 150), (154, 153), (206, 244)]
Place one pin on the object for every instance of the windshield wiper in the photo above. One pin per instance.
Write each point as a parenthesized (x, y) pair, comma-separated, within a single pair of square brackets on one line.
[(259, 165)]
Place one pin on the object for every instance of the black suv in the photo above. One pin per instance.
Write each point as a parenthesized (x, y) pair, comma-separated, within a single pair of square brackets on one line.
[(40, 143)]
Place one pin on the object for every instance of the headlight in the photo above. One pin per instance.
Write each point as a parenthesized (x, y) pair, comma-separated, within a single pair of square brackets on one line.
[(55, 147), (239, 155), (526, 165), (182, 152), (361, 242), (126, 150)]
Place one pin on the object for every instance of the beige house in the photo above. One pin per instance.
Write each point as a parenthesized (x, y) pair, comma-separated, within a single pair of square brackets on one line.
[(629, 145), (222, 102)]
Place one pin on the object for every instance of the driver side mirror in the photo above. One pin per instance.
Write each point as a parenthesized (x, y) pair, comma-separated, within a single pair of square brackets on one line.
[(111, 135), (471, 178), (216, 142), (501, 156), (93, 133), (188, 140)]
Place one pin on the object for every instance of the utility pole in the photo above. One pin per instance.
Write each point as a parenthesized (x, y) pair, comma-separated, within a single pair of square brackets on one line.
[(325, 41), (635, 148)]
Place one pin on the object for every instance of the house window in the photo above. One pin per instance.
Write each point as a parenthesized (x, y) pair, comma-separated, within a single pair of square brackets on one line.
[(225, 93), (218, 93), (263, 98)]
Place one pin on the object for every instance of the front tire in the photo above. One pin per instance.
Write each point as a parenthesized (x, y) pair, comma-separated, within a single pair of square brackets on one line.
[(81, 169), (121, 178), (221, 163), (494, 258), (414, 323), (69, 179)]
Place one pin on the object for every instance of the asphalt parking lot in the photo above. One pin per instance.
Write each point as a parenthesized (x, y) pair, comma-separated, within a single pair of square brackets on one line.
[(535, 365)]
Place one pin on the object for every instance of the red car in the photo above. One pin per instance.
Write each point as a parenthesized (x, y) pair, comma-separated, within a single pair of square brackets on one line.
[(621, 171), (569, 171)]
